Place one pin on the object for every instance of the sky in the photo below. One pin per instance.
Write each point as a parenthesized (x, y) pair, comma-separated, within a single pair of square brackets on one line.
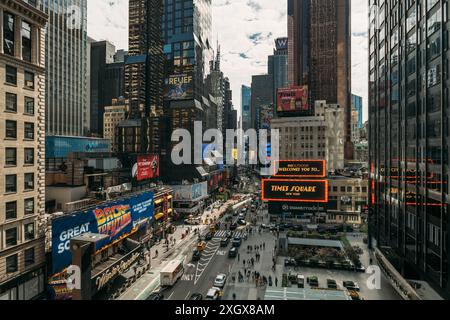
[(246, 31)]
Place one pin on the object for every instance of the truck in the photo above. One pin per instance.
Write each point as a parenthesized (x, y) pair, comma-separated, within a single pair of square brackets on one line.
[(172, 273)]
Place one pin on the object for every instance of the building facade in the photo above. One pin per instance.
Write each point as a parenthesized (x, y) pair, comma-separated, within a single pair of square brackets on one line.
[(246, 102), (22, 161), (357, 103), (112, 117), (66, 72), (408, 133), (279, 64), (262, 95)]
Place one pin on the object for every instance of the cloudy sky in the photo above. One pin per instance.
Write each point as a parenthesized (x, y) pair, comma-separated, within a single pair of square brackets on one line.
[(246, 30)]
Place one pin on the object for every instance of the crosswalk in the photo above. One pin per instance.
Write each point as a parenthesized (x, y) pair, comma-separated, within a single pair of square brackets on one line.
[(223, 233)]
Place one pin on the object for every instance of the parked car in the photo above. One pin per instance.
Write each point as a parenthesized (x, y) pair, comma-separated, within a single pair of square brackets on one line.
[(233, 252), (155, 296), (351, 286), (313, 282), (237, 241), (290, 262), (220, 281), (196, 256), (331, 284), (224, 242), (301, 281), (196, 296)]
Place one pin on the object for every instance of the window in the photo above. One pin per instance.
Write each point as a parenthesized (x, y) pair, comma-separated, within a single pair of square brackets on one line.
[(29, 80), (29, 206), (29, 181), (8, 33), (11, 129), (11, 75), (29, 130), (11, 210), (29, 106), (29, 257), (10, 156), (29, 231), (11, 264), (11, 183), (11, 102), (29, 156), (11, 237), (26, 41)]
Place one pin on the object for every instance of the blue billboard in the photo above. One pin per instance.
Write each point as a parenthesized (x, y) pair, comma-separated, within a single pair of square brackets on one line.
[(115, 219), (61, 146)]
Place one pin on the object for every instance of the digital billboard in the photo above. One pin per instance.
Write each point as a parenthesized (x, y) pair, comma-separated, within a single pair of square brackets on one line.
[(147, 167), (116, 219), (179, 86), (293, 99), (284, 190), (300, 168), (191, 192)]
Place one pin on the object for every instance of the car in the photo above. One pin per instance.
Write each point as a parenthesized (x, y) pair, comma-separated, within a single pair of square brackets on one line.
[(208, 236), (313, 282), (331, 284), (290, 262), (297, 228), (201, 246), (220, 281), (224, 242), (155, 296), (301, 281), (196, 256), (242, 222), (237, 241), (351, 286), (196, 296), (264, 226), (193, 221), (273, 227), (233, 252), (214, 294), (233, 226)]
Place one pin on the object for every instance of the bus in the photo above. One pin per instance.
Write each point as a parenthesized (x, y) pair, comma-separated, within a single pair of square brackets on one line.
[(172, 273)]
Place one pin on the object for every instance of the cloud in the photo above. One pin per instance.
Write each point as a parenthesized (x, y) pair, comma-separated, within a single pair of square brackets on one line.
[(254, 5)]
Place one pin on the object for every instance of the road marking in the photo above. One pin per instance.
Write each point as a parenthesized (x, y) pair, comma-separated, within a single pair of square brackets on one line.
[(187, 296), (171, 295), (201, 267)]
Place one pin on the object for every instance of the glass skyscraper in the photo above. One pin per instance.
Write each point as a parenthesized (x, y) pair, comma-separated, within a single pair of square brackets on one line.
[(246, 105), (66, 65), (409, 137)]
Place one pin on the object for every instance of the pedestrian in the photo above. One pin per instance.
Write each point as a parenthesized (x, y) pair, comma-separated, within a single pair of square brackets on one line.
[(239, 257), (264, 245), (244, 263), (276, 282)]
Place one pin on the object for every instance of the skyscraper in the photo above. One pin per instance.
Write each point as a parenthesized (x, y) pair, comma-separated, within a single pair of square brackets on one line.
[(357, 103), (320, 53), (246, 102), (279, 64), (408, 133), (66, 61), (22, 150)]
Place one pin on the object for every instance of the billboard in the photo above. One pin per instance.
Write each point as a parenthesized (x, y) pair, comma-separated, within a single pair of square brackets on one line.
[(300, 168), (179, 86), (116, 219), (293, 99), (279, 190), (278, 208), (265, 117), (147, 167), (192, 192)]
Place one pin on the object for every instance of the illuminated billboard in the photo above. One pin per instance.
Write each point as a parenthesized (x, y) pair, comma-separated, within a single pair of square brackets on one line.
[(293, 99), (147, 167), (179, 87), (300, 168), (284, 190)]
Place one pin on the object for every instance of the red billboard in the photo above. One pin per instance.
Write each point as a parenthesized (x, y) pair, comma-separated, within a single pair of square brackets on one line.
[(147, 167), (293, 99)]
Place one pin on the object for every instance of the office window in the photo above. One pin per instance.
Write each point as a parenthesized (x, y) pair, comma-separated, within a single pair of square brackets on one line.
[(29, 206), (11, 129), (11, 264), (11, 183), (29, 257), (29, 130), (10, 156), (11, 210), (11, 75), (29, 80), (29, 106), (29, 156), (8, 33), (29, 181), (29, 231), (26, 41), (11, 237), (11, 102)]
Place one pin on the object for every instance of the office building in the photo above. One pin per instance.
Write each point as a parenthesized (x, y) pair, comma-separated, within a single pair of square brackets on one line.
[(246, 101), (262, 95), (278, 62), (66, 72), (22, 160), (357, 103), (319, 53), (408, 132), (114, 114)]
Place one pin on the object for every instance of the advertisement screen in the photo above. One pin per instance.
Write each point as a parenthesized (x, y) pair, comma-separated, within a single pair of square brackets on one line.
[(147, 167), (278, 208), (190, 192), (179, 87), (278, 190), (265, 118), (300, 168), (115, 219), (294, 99)]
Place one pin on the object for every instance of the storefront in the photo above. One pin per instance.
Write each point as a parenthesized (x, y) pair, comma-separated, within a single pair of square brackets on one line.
[(29, 286)]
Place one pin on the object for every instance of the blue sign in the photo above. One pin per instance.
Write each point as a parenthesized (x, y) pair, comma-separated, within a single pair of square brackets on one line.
[(61, 147), (115, 219)]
